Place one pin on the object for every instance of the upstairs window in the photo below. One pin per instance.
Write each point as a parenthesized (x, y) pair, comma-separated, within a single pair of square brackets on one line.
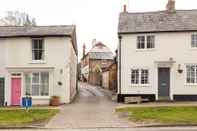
[(150, 41), (146, 42), (37, 49), (140, 42), (194, 41)]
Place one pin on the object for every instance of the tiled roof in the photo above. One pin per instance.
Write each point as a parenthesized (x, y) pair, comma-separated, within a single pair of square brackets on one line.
[(16, 31), (39, 31), (159, 21), (100, 51), (101, 55)]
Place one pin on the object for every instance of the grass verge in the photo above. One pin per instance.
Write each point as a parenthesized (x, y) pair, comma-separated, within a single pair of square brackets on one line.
[(164, 115), (20, 117)]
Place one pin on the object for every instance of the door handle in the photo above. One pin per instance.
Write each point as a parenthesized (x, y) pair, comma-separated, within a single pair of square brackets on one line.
[(163, 84)]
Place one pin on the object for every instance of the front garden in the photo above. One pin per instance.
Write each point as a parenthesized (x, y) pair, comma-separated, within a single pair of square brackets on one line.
[(21, 117), (179, 115)]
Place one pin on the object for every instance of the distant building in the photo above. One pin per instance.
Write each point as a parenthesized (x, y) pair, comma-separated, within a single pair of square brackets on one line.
[(94, 62)]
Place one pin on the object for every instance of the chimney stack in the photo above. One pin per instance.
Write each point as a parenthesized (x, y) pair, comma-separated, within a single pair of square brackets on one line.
[(124, 8), (170, 7), (84, 49), (94, 41)]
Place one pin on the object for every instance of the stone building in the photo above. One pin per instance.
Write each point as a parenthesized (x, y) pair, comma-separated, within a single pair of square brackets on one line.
[(94, 62)]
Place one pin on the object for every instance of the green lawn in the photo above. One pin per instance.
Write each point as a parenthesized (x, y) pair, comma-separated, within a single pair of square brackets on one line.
[(163, 115), (19, 117)]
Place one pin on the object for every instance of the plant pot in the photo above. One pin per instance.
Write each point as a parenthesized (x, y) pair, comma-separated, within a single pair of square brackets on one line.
[(55, 101)]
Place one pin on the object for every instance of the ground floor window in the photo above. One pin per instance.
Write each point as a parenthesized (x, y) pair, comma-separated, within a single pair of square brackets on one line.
[(191, 77), (37, 84), (139, 76)]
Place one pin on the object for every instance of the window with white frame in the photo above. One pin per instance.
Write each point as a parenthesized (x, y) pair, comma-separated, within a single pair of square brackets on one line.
[(141, 42), (194, 41), (37, 83), (150, 41), (191, 77), (37, 49), (139, 76), (144, 76), (134, 76), (146, 42)]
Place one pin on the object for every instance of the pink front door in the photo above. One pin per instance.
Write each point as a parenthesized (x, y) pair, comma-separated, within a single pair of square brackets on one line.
[(16, 91)]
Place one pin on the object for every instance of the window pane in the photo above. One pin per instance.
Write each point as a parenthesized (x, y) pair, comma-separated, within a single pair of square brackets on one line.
[(134, 76), (35, 78), (44, 83), (190, 74), (37, 49), (144, 76), (44, 90), (151, 41), (27, 84), (194, 40), (35, 90), (140, 42), (196, 74)]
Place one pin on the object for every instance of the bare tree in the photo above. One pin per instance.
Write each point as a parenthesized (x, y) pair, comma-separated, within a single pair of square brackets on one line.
[(16, 18)]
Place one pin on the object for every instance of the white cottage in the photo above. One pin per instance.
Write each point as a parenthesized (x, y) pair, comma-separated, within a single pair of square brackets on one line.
[(158, 54), (40, 61)]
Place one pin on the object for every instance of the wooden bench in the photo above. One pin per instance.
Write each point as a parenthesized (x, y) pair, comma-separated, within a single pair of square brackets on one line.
[(134, 99)]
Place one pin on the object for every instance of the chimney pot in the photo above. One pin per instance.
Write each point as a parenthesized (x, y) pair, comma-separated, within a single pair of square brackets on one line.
[(170, 7), (125, 9), (84, 49)]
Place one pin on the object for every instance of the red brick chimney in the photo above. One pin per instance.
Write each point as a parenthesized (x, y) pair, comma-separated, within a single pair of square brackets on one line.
[(84, 49), (170, 7), (124, 8)]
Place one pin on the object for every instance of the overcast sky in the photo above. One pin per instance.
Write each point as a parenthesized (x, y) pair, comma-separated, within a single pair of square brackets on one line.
[(93, 18)]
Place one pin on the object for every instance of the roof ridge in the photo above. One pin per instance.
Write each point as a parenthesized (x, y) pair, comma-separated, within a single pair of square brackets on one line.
[(39, 26), (158, 11)]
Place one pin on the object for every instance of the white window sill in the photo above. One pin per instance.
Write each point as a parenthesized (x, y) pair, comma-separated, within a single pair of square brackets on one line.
[(40, 97), (140, 85), (193, 48), (38, 62), (145, 50), (186, 84)]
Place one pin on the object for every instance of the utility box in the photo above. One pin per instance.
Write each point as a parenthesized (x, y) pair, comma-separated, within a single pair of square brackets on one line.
[(27, 102)]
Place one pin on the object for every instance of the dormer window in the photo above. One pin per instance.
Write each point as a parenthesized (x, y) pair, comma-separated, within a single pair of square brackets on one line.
[(37, 49), (194, 41), (146, 42)]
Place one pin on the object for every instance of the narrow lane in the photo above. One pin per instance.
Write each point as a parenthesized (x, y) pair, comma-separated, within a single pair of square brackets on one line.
[(92, 108)]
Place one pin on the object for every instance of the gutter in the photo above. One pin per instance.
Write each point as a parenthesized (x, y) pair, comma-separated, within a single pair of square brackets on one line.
[(119, 62)]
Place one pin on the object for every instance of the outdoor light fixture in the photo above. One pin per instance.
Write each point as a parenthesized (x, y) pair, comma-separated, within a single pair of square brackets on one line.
[(179, 69)]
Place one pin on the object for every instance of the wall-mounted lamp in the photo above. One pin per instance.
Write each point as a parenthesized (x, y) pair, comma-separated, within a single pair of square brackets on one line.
[(179, 69)]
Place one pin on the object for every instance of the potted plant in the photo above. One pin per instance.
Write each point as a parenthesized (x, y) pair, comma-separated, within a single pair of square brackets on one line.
[(55, 101)]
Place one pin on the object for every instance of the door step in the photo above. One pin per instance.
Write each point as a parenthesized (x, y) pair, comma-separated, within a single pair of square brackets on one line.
[(164, 99)]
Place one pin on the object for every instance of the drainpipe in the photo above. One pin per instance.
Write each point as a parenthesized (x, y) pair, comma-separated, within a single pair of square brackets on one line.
[(119, 63)]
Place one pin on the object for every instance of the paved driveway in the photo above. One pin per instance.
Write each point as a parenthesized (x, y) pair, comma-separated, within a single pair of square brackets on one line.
[(93, 108)]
